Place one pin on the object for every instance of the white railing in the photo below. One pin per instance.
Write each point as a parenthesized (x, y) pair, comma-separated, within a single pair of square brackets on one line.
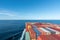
[(23, 34)]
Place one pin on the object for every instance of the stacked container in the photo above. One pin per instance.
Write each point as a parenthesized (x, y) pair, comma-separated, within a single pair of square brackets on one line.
[(32, 34), (36, 31), (42, 31)]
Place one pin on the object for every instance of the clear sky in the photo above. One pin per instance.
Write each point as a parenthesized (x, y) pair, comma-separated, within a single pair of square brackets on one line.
[(30, 9)]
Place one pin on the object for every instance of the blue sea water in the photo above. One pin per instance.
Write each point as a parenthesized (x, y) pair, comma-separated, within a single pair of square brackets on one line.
[(9, 28)]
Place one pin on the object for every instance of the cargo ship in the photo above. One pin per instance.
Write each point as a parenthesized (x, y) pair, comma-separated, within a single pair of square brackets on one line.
[(42, 31)]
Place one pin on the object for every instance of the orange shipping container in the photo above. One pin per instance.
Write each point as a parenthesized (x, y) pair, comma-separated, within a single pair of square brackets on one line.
[(28, 26), (39, 38), (32, 34), (42, 37)]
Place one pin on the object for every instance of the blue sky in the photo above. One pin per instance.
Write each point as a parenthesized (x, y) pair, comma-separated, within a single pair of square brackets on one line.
[(29, 9)]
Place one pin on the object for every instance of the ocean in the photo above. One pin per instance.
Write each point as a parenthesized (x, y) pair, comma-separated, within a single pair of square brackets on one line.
[(9, 28)]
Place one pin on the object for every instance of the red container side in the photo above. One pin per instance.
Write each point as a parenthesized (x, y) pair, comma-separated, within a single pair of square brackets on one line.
[(56, 36), (50, 37), (32, 34)]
